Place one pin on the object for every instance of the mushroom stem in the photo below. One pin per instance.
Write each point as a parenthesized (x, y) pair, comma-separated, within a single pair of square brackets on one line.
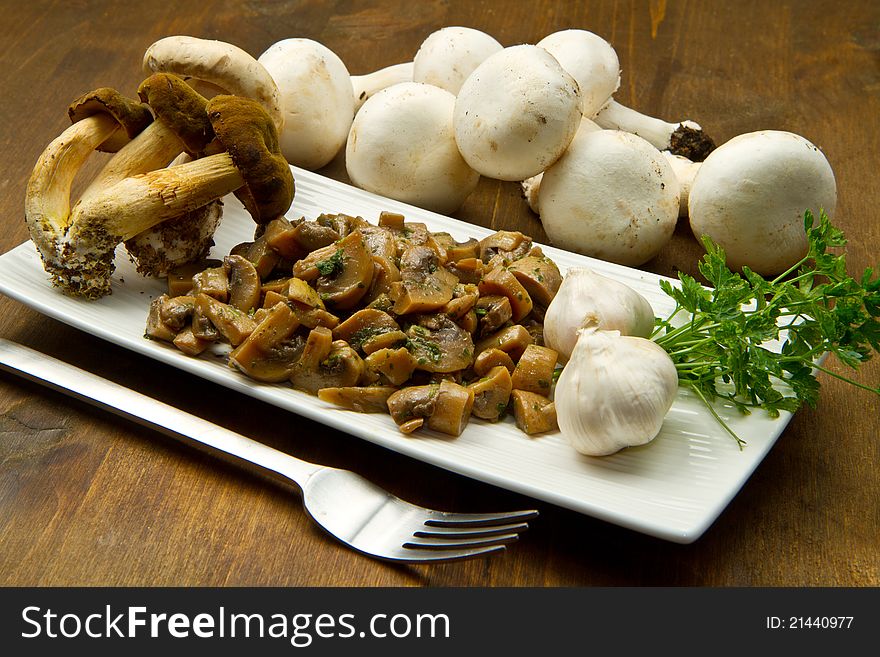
[(152, 149), (685, 170), (593, 62), (367, 85), (139, 202), (686, 138), (47, 201)]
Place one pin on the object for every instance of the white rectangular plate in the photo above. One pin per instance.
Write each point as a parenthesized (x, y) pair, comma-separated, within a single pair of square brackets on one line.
[(672, 488)]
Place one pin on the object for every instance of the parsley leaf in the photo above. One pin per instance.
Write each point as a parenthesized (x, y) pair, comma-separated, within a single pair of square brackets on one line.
[(720, 349)]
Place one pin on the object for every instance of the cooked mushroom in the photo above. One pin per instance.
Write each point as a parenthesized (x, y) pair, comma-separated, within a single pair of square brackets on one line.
[(302, 293), (439, 344), (157, 328), (363, 399), (464, 298), (189, 343), (503, 282), (271, 351), (326, 364), (493, 311), (180, 279), (539, 276), (533, 413), (244, 283), (491, 393), (534, 371), (509, 244), (364, 325), (212, 281), (263, 257), (467, 270), (444, 407), (233, 325), (385, 274), (512, 340), (281, 237), (394, 365), (425, 285), (343, 271), (311, 235), (488, 359)]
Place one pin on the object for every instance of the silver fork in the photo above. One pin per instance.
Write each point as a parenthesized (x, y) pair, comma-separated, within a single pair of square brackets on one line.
[(357, 512)]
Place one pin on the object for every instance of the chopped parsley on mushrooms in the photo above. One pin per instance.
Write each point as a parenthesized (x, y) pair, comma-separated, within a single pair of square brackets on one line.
[(378, 320)]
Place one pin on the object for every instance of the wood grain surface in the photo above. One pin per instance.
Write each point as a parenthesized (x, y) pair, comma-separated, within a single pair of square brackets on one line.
[(87, 499)]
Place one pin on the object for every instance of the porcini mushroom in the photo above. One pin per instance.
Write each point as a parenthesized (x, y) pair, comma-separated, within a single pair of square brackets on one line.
[(224, 65), (516, 113), (181, 129), (592, 61), (612, 196), (751, 193), (77, 246), (317, 99), (402, 145)]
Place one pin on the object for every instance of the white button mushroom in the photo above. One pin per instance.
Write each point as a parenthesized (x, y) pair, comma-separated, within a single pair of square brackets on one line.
[(612, 195), (365, 86), (750, 196), (445, 59), (531, 187), (516, 113), (592, 61), (449, 55), (317, 99), (401, 145)]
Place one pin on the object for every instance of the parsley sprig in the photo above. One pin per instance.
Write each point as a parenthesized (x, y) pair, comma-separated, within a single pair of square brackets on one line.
[(720, 349)]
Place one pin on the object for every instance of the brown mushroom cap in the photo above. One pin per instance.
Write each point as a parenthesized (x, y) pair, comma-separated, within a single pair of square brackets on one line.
[(181, 108), (131, 115), (249, 136)]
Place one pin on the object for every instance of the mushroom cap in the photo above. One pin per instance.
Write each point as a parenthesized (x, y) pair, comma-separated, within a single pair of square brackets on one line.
[(590, 60), (180, 107), (401, 145), (317, 99), (131, 115), (222, 64), (750, 195), (612, 196), (249, 136), (516, 113), (449, 55)]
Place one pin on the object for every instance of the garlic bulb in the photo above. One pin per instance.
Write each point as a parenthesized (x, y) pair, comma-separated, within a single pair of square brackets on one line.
[(614, 392), (586, 299)]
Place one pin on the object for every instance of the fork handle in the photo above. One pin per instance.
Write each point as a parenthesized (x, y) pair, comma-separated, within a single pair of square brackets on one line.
[(146, 411)]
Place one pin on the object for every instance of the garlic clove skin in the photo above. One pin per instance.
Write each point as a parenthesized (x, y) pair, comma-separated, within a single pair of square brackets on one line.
[(587, 299), (614, 392)]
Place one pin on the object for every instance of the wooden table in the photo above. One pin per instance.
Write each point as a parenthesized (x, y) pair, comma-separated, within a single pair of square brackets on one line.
[(89, 499)]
